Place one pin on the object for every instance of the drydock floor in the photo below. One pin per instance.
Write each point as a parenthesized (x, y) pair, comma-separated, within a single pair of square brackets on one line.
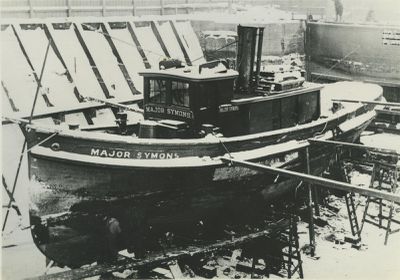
[(374, 260)]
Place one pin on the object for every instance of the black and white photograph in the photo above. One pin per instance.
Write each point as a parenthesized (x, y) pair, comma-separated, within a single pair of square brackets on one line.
[(204, 139)]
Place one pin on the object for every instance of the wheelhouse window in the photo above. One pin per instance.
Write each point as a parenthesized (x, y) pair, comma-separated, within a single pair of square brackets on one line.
[(180, 93), (158, 91)]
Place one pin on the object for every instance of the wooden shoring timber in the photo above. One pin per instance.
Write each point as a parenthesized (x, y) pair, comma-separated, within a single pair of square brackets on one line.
[(388, 112), (167, 256), (381, 126), (315, 180), (78, 108), (383, 151), (389, 104), (115, 104), (387, 157)]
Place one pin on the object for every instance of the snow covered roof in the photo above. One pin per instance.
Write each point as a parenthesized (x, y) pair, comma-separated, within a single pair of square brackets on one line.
[(192, 73)]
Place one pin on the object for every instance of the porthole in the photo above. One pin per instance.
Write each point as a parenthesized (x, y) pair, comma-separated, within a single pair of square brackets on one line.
[(55, 147)]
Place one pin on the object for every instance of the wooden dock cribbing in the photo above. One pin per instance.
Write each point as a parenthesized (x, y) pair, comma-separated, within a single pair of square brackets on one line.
[(158, 259)]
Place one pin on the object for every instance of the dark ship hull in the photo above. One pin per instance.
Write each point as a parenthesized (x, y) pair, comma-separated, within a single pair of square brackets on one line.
[(365, 52)]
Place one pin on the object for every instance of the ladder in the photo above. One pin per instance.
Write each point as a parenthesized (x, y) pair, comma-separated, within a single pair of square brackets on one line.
[(349, 198), (292, 257), (351, 210), (384, 177)]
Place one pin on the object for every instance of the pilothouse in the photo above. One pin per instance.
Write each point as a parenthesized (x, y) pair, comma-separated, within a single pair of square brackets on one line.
[(183, 102)]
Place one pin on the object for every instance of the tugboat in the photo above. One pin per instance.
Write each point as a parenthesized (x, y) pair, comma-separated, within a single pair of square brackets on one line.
[(116, 187)]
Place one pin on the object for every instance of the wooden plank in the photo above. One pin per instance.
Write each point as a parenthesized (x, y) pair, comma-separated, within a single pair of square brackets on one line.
[(384, 127), (76, 61), (387, 112), (149, 43), (105, 60), (189, 41), (21, 88), (56, 50), (79, 34), (55, 83), (106, 32), (168, 37), (129, 53), (135, 39), (317, 76), (182, 47), (315, 180)]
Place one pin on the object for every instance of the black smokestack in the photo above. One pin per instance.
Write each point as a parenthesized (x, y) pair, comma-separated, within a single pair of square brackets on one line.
[(246, 54)]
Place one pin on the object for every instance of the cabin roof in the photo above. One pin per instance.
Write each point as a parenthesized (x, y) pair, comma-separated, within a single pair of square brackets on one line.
[(192, 74), (307, 87)]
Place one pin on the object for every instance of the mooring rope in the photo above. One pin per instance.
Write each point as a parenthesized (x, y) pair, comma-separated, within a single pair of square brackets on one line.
[(43, 141), (227, 45), (223, 145), (322, 131)]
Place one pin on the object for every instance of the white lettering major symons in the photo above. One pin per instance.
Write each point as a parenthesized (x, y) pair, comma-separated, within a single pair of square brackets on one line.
[(95, 152), (137, 155)]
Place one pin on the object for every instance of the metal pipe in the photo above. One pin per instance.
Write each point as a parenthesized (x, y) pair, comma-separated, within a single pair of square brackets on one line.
[(259, 53), (317, 181)]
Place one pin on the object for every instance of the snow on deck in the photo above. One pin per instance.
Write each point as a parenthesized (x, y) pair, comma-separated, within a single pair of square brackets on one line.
[(129, 54), (76, 118), (44, 121), (16, 75), (190, 41), (106, 63), (55, 83), (348, 90), (76, 61), (149, 43), (104, 117)]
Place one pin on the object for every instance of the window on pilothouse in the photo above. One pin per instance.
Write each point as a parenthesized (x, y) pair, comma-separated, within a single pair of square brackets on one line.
[(180, 93), (158, 91)]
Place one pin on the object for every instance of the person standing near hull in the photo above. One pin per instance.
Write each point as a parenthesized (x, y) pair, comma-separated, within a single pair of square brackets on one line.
[(338, 10)]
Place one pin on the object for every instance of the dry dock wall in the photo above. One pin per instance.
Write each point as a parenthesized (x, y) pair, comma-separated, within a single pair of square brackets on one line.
[(280, 38)]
